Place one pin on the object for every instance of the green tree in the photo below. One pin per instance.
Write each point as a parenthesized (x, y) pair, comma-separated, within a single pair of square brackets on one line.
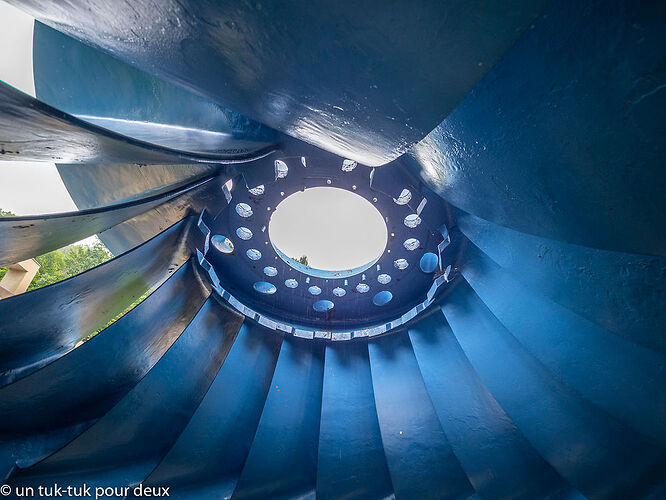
[(4, 213), (303, 259)]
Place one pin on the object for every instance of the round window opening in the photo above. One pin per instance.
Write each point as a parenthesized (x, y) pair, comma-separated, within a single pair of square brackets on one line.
[(328, 232)]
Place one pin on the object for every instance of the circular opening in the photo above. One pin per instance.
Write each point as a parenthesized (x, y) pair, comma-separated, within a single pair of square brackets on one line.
[(429, 262), (222, 243), (328, 232), (323, 305), (382, 298), (265, 287)]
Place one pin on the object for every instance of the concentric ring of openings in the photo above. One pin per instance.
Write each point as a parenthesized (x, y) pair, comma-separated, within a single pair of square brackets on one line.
[(265, 287), (314, 290), (244, 210), (281, 169), (270, 271), (349, 165), (362, 288), (339, 292), (412, 220), (253, 254), (382, 298), (257, 191), (222, 243), (411, 244), (384, 279), (291, 283), (244, 233), (323, 305), (428, 262), (404, 198), (339, 232), (401, 264)]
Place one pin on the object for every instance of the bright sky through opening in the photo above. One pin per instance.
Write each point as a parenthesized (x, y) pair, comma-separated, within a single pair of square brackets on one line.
[(336, 229)]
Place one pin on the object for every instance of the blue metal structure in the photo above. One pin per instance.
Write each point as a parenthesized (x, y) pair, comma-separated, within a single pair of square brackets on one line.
[(508, 343)]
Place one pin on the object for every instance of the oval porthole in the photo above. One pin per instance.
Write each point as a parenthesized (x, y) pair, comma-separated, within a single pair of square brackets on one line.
[(253, 254), (382, 298), (411, 244), (384, 279), (222, 243), (412, 220), (362, 288), (244, 210), (314, 290), (349, 165), (281, 169), (270, 271), (401, 264), (429, 262), (264, 287), (404, 198), (257, 191), (291, 283), (339, 292), (244, 233), (323, 305)]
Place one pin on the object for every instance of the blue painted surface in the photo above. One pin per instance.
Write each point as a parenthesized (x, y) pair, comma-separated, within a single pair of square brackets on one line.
[(282, 462), (419, 457), (498, 460), (208, 457), (543, 189), (124, 445), (353, 467)]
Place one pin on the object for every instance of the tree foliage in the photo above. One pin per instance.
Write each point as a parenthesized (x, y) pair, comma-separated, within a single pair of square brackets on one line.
[(303, 259)]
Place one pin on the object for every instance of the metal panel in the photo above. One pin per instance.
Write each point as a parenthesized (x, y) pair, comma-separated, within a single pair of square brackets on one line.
[(626, 380), (597, 455), (46, 409), (123, 446), (208, 457), (623, 293), (31, 130), (283, 458), (364, 80), (419, 456), (25, 237), (562, 139), (498, 460), (351, 462), (40, 326)]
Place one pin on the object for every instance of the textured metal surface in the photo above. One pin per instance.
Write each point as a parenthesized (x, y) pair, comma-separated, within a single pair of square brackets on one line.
[(207, 459), (127, 442), (38, 418), (31, 130), (419, 457), (498, 460), (41, 326), (282, 461), (593, 451), (356, 79), (25, 237), (353, 467), (562, 139)]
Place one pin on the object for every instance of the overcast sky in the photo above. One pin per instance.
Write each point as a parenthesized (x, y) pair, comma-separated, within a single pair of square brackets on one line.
[(25, 188)]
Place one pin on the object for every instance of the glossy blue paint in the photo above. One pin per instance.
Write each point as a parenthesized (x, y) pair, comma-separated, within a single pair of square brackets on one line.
[(498, 460), (282, 461), (419, 457), (74, 308), (364, 80), (123, 446), (207, 459), (594, 452), (353, 467)]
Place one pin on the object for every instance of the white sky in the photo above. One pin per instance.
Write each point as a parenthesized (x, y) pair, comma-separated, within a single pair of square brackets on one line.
[(26, 188), (335, 228)]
